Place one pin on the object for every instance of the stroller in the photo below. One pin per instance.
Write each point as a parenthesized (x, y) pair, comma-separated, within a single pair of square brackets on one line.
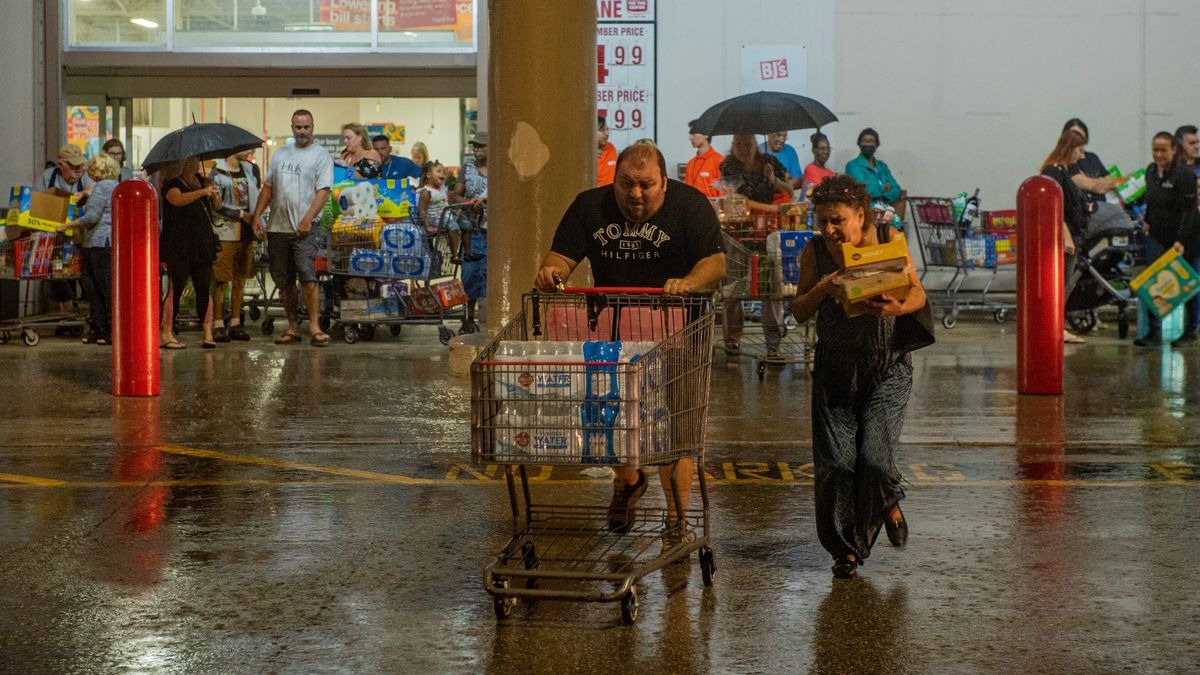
[(1112, 247)]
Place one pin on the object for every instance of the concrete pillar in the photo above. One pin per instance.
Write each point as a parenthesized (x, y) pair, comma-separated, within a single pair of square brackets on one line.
[(542, 124)]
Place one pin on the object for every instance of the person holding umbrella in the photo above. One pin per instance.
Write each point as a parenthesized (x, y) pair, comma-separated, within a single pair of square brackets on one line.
[(187, 244)]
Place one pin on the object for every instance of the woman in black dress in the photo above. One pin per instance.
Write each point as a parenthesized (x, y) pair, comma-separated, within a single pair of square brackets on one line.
[(860, 384), (1068, 151), (1171, 221), (187, 244)]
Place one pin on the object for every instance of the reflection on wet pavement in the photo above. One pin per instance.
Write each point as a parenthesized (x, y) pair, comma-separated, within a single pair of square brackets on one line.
[(316, 511)]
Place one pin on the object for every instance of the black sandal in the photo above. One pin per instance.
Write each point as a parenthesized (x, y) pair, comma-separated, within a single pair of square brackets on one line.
[(845, 567)]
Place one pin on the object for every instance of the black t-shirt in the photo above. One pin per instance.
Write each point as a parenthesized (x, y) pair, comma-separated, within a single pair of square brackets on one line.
[(1171, 207), (1075, 210), (1092, 167), (667, 246)]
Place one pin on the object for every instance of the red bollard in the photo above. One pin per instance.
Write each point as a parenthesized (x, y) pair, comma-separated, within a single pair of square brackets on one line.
[(135, 289), (1040, 287)]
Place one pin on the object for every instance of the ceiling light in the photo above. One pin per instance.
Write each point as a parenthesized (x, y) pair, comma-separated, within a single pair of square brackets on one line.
[(144, 23)]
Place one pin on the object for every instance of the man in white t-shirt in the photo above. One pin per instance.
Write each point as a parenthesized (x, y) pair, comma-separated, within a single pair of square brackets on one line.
[(296, 188)]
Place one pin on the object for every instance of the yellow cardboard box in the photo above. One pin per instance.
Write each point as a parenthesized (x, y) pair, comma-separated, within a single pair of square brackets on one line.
[(872, 271), (39, 210)]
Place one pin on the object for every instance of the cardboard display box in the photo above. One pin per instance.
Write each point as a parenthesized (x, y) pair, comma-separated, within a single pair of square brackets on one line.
[(39, 210), (872, 271), (1166, 284)]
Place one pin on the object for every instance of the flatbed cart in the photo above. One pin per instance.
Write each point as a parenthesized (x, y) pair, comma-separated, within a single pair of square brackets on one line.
[(763, 266), (41, 257), (947, 244), (570, 399), (400, 255)]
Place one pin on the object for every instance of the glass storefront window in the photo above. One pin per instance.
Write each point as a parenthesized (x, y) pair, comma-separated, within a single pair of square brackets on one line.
[(119, 24), (272, 25)]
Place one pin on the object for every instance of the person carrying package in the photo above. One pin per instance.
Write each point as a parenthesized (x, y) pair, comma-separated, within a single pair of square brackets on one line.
[(644, 230), (96, 223), (861, 382), (67, 174)]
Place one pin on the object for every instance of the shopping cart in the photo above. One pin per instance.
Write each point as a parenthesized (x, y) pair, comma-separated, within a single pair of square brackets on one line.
[(946, 243), (554, 387), (406, 272), (762, 269), (42, 256)]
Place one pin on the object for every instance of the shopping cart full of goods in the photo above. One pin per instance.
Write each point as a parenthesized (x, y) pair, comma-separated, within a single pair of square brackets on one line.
[(762, 268), (949, 241), (40, 256), (592, 378)]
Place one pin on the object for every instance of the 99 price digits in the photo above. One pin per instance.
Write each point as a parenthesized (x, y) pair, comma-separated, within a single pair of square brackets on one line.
[(630, 120)]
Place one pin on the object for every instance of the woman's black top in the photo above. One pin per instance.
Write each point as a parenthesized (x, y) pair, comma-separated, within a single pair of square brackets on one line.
[(752, 183), (187, 233), (1171, 207), (1092, 167), (1075, 208)]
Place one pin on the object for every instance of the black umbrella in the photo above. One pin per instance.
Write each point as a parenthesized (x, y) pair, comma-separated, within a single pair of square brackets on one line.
[(762, 113), (207, 140)]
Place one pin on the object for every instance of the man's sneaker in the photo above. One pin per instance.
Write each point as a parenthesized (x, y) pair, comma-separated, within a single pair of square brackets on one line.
[(773, 356), (468, 326), (238, 333), (621, 513), (1186, 339), (1151, 339), (732, 348), (220, 335)]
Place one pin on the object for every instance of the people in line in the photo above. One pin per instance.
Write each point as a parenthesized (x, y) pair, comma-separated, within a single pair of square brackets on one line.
[(688, 256), (703, 170), (472, 190), (875, 174), (114, 148), (777, 146), (357, 153), (187, 243), (817, 172), (296, 187), (1189, 143), (1096, 182), (1067, 151), (756, 176), (432, 200), (861, 384), (234, 177), (1170, 222), (96, 226), (606, 154), (393, 166)]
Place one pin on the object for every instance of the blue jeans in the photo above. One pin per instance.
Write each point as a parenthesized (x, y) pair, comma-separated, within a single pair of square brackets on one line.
[(1191, 308)]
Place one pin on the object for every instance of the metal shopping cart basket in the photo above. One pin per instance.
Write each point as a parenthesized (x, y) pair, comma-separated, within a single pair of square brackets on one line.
[(44, 256), (762, 269), (554, 387)]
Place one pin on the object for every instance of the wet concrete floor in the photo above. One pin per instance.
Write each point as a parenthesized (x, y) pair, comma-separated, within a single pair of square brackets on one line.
[(304, 510)]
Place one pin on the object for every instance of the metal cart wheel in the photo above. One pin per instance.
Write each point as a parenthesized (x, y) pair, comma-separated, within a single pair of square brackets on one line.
[(5, 336), (255, 313), (1082, 322), (30, 337), (503, 606), (629, 607), (268, 326), (351, 335), (1122, 324), (1000, 315), (76, 331), (762, 370), (444, 335), (394, 329), (949, 321), (529, 553), (708, 567), (367, 330)]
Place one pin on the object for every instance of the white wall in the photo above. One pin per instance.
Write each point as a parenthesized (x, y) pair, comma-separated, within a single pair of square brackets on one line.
[(970, 93), (20, 80), (699, 59)]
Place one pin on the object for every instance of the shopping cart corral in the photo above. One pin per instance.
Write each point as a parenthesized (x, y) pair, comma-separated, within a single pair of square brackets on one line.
[(42, 256), (602, 377), (971, 256), (762, 269), (390, 274)]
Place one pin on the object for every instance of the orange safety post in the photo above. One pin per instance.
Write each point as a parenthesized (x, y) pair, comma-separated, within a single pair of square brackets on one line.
[(1040, 287), (135, 288)]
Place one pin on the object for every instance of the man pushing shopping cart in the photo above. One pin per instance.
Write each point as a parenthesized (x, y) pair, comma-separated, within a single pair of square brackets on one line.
[(644, 230)]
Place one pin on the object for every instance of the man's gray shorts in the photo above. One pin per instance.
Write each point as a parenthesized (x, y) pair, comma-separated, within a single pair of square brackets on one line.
[(292, 258)]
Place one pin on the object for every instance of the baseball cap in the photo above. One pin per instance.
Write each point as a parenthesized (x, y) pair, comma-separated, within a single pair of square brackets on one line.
[(71, 155), (480, 138)]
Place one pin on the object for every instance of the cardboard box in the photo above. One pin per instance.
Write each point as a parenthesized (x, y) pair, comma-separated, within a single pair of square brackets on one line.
[(872, 271), (352, 310), (39, 210), (450, 293), (1166, 284)]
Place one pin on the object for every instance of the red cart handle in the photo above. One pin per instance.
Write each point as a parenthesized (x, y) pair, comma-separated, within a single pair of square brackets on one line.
[(614, 290)]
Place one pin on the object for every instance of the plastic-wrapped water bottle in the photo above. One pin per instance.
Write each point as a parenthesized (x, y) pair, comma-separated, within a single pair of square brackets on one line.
[(514, 381)]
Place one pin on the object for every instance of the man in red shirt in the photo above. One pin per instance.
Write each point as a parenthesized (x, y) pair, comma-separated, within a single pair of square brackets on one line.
[(606, 155), (704, 169)]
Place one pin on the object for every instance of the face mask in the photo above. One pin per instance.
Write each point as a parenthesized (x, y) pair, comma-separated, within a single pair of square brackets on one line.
[(867, 150)]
